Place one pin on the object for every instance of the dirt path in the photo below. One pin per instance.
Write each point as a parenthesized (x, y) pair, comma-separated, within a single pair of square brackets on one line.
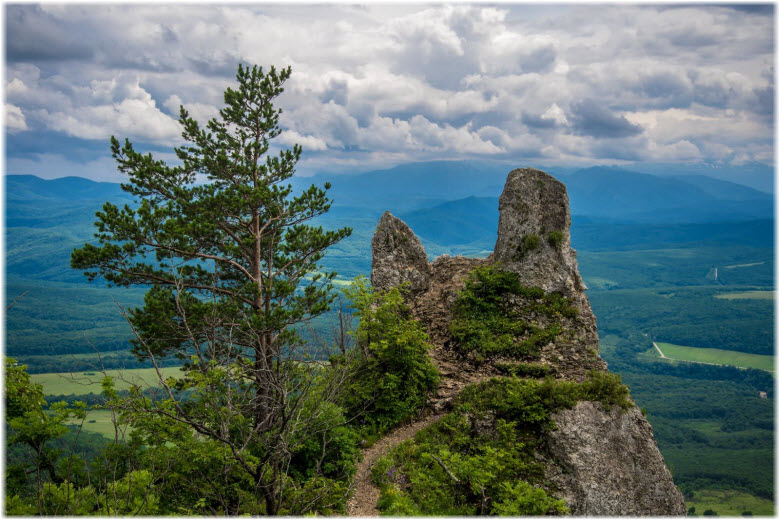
[(434, 310), (364, 499), (659, 351)]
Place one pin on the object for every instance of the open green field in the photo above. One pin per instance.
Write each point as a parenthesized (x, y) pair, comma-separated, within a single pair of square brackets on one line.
[(66, 383), (747, 295), (98, 421), (718, 356), (730, 503)]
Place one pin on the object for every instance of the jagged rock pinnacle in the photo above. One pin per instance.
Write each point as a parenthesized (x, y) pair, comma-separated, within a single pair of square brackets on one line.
[(533, 232), (398, 256)]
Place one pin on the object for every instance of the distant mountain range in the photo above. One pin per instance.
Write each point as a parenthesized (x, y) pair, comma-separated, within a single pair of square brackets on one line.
[(452, 206), (638, 197)]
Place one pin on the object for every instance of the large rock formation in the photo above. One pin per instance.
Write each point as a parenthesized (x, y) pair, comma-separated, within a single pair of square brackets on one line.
[(607, 463), (603, 462)]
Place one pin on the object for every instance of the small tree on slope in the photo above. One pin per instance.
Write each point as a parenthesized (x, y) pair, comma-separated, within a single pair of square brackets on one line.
[(232, 265)]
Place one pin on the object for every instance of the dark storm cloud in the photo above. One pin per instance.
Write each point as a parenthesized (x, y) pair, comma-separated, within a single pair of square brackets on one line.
[(673, 88), (30, 144), (538, 60), (224, 67), (591, 118), (336, 91), (33, 35), (763, 8)]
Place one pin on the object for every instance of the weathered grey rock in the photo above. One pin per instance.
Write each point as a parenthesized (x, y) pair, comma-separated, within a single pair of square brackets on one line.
[(534, 204), (398, 256), (607, 464)]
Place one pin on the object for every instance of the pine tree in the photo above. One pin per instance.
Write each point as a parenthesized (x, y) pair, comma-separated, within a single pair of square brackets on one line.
[(232, 263)]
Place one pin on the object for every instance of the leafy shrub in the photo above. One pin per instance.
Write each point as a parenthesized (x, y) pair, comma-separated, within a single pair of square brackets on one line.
[(527, 244), (480, 459), (488, 315), (392, 373), (521, 499), (333, 452), (555, 238)]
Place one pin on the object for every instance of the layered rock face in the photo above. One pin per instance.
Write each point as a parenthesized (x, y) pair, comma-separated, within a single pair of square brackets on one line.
[(603, 462)]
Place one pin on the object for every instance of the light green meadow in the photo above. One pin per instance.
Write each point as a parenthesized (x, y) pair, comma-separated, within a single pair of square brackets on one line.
[(717, 356)]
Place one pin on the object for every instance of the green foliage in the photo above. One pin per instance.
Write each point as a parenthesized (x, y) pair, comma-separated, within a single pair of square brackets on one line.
[(29, 425), (555, 238), (522, 499), (491, 313), (480, 459), (528, 244), (392, 373)]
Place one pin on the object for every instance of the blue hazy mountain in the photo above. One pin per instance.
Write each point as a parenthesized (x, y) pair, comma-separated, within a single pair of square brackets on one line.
[(753, 174), (414, 186), (30, 187), (449, 204), (609, 192), (456, 222)]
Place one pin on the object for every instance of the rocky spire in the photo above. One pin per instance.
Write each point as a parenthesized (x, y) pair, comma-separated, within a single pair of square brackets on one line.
[(533, 232), (398, 256)]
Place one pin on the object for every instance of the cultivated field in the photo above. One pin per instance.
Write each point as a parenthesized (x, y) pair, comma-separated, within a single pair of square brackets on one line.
[(717, 356), (747, 295), (66, 383)]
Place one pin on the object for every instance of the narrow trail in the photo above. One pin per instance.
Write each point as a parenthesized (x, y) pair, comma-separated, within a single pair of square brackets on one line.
[(434, 310), (364, 499)]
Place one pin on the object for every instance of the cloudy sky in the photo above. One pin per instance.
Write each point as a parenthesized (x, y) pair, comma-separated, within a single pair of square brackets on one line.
[(375, 86)]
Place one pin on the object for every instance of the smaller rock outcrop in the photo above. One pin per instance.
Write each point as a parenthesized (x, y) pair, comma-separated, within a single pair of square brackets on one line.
[(398, 256)]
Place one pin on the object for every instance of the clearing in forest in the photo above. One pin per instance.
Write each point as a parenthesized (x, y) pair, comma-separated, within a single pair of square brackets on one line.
[(747, 295), (716, 356), (80, 383)]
